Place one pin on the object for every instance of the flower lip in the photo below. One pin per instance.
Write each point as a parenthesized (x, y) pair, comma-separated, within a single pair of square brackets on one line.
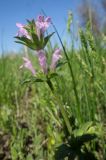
[(42, 60), (42, 24), (40, 18), (19, 25), (27, 64), (55, 58), (22, 31), (48, 19)]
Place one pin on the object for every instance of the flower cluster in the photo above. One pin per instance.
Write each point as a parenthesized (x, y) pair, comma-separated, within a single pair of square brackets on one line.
[(27, 64), (41, 25), (33, 36), (43, 62)]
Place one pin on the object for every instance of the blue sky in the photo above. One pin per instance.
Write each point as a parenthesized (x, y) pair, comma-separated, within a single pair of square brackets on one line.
[(12, 11)]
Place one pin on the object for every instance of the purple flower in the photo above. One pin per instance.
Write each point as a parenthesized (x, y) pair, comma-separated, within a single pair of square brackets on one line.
[(42, 24), (42, 60), (27, 64), (55, 58), (22, 31)]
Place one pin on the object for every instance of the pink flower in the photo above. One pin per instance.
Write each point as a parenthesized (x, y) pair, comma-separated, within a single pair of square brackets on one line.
[(27, 64), (42, 24), (55, 58), (42, 60), (22, 31)]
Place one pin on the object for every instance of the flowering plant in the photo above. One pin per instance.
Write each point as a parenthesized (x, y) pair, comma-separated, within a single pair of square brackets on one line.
[(32, 35)]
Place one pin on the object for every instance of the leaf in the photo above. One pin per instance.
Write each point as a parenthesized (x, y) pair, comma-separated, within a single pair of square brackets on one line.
[(35, 38), (25, 41), (38, 80), (62, 152), (26, 81), (77, 142), (52, 75), (31, 25), (83, 129), (31, 46), (32, 80), (29, 22), (36, 41), (85, 138), (65, 151), (46, 39), (20, 42), (61, 64)]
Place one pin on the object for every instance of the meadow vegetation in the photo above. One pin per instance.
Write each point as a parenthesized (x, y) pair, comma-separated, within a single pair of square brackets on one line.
[(60, 116)]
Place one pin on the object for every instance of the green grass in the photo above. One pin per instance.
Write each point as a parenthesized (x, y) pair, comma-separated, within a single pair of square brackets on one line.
[(31, 124)]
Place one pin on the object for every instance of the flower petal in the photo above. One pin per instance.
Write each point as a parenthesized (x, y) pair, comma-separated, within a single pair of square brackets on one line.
[(19, 25), (27, 64), (22, 31), (42, 60), (55, 58), (42, 24)]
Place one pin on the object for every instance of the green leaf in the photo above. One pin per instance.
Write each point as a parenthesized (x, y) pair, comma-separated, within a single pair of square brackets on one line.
[(32, 46), (27, 42), (31, 25), (32, 80), (29, 22), (77, 142), (20, 42), (85, 138), (26, 81), (24, 39), (61, 64), (35, 38), (46, 39), (38, 80), (83, 129), (62, 152), (36, 41), (52, 75)]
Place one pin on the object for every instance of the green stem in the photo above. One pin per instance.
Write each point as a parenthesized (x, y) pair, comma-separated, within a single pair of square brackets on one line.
[(63, 112), (70, 67), (69, 64)]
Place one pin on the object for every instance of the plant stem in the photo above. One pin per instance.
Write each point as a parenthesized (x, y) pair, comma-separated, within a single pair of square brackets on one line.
[(69, 64), (70, 67), (63, 112)]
